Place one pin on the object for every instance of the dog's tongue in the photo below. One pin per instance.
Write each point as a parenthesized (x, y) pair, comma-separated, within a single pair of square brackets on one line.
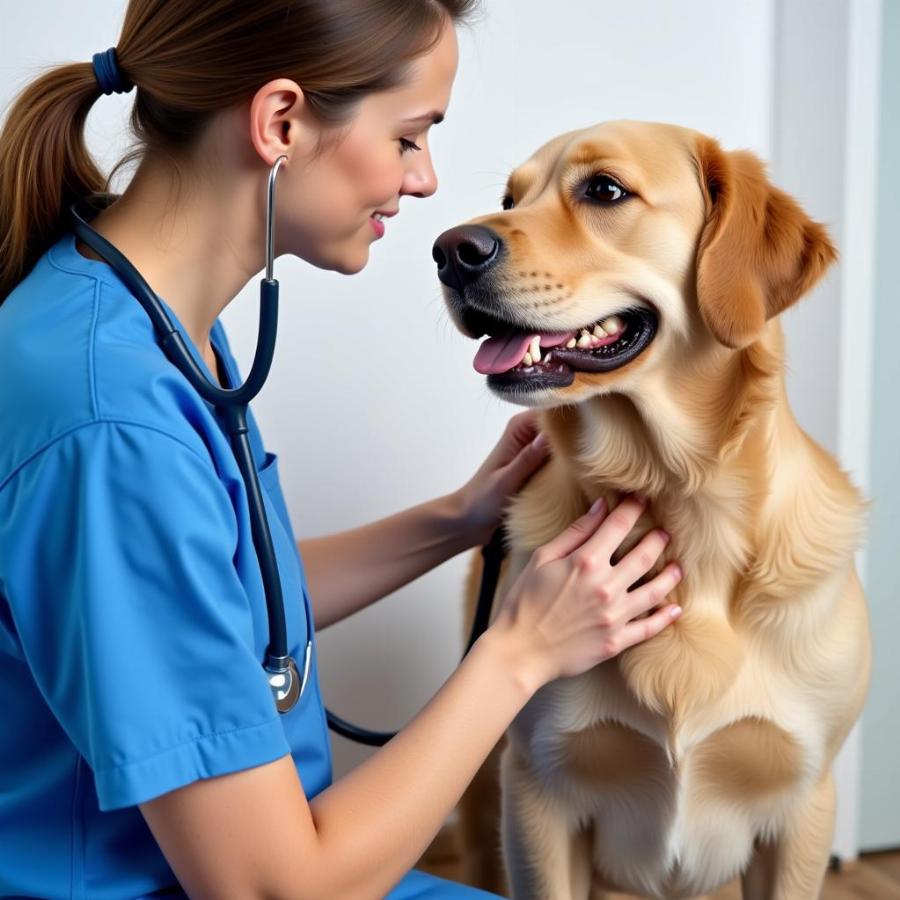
[(500, 354)]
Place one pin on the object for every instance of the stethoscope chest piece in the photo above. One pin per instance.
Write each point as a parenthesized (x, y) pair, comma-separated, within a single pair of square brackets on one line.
[(284, 680), (285, 686)]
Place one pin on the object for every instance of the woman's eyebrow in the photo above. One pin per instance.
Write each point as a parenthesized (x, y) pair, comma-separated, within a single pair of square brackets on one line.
[(434, 117)]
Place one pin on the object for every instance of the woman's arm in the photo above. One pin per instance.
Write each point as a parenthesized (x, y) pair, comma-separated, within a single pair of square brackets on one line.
[(252, 834), (351, 569)]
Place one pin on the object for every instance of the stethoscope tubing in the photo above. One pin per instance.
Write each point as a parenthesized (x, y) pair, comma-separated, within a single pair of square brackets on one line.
[(286, 686), (286, 683)]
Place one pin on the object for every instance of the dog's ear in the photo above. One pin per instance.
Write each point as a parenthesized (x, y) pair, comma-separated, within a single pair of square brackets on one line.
[(758, 252)]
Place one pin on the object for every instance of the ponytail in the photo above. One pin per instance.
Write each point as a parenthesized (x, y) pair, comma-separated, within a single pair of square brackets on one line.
[(44, 166)]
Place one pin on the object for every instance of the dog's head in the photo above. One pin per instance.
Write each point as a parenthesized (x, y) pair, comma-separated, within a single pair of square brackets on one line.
[(621, 248)]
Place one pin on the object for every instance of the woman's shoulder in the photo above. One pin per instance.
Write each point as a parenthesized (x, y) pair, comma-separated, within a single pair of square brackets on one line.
[(77, 348)]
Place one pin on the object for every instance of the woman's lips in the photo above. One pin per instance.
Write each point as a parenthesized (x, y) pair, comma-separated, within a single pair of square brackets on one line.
[(377, 226)]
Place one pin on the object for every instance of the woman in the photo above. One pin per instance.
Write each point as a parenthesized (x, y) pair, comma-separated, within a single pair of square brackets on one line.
[(140, 751)]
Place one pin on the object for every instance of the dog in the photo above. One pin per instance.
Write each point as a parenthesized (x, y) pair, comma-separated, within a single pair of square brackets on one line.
[(651, 264)]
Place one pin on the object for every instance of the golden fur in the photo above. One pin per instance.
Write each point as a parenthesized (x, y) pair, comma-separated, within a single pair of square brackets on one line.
[(705, 752)]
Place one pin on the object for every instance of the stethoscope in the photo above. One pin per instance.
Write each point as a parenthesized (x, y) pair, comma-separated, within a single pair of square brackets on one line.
[(286, 684)]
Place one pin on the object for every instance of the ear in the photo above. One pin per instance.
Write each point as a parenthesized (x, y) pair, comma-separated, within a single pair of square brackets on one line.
[(758, 252)]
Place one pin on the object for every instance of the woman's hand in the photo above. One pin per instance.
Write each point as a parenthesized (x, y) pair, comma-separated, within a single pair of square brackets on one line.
[(483, 499), (571, 608)]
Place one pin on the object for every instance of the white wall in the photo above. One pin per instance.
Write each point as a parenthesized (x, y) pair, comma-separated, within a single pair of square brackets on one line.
[(880, 806), (360, 438)]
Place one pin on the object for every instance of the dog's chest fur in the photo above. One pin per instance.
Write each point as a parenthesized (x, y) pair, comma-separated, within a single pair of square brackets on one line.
[(682, 750), (670, 811)]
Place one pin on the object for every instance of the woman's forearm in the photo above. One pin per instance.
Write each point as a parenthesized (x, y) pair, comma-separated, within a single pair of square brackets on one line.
[(351, 569), (376, 821)]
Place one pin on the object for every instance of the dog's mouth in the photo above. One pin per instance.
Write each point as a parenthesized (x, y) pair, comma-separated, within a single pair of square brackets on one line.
[(517, 356)]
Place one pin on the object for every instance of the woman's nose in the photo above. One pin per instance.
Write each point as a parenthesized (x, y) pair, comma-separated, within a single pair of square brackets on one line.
[(421, 180)]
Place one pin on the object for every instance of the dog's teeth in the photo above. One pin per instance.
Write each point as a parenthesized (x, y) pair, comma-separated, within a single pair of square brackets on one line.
[(527, 361), (571, 344), (598, 331), (612, 324), (535, 349), (584, 331), (584, 341)]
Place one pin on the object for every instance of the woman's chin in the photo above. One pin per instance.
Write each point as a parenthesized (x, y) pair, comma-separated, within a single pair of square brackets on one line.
[(348, 262), (352, 267)]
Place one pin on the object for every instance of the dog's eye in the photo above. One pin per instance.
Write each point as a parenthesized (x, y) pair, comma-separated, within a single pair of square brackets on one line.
[(605, 190), (508, 202)]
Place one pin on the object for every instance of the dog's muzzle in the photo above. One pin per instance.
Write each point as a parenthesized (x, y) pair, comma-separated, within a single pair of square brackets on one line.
[(465, 253)]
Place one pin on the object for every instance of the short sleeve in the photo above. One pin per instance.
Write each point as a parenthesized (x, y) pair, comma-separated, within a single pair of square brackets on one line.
[(119, 543)]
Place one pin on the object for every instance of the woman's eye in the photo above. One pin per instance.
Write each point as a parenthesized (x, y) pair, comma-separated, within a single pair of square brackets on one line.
[(508, 202), (603, 189), (408, 145)]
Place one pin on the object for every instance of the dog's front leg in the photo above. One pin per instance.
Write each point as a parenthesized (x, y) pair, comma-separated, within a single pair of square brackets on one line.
[(793, 866), (545, 859)]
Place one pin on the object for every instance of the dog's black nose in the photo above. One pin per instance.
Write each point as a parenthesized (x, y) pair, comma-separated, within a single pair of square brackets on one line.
[(463, 254)]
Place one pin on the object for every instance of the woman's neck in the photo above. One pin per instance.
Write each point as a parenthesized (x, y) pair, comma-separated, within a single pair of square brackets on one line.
[(197, 253)]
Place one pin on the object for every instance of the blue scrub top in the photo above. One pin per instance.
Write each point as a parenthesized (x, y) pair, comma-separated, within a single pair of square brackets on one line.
[(132, 612)]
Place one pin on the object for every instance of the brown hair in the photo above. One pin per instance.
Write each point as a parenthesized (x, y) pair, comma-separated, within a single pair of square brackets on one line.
[(190, 61)]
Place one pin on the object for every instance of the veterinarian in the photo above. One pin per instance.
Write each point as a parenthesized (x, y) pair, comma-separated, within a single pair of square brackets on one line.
[(142, 751)]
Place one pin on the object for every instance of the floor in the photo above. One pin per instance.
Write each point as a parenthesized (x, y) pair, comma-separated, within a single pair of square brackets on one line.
[(876, 876)]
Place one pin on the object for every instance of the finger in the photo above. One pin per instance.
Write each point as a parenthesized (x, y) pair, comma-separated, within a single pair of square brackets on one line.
[(640, 559), (520, 431), (643, 629), (528, 419), (654, 592), (621, 519), (574, 536), (530, 458)]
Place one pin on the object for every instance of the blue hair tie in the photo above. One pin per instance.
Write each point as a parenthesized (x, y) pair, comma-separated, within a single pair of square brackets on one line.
[(109, 76)]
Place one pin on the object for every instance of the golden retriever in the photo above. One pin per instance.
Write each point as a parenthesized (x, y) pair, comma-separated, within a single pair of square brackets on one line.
[(704, 753)]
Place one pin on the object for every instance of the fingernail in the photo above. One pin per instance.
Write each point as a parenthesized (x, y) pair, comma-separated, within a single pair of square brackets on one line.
[(596, 506), (540, 441), (677, 570), (675, 612), (641, 499)]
